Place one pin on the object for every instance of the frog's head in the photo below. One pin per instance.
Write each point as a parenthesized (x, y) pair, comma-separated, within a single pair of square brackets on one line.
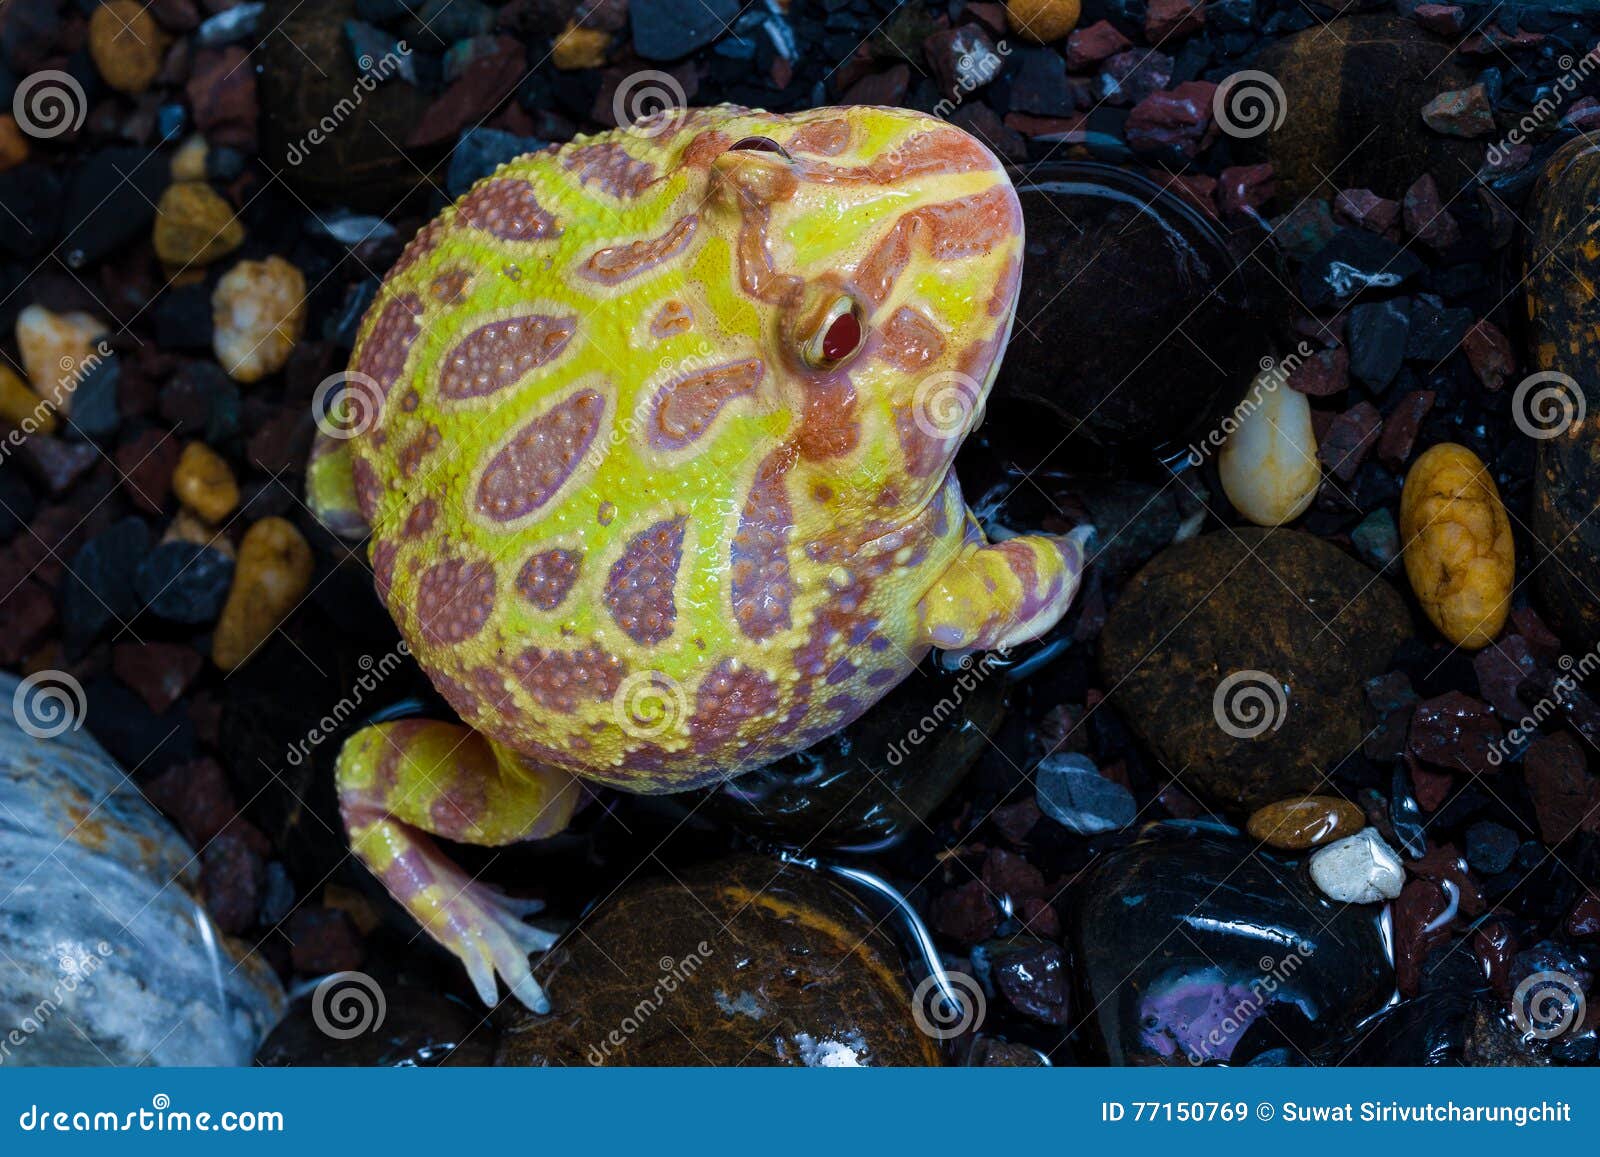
[(877, 252)]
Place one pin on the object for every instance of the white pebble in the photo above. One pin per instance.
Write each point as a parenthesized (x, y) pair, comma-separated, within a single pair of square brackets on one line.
[(1268, 466), (1359, 869)]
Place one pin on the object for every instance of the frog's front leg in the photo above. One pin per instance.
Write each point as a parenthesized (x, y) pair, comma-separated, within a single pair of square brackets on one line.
[(401, 782), (999, 594)]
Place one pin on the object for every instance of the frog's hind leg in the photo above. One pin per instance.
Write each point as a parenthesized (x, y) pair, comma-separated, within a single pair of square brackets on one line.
[(400, 783), (331, 487), (996, 595)]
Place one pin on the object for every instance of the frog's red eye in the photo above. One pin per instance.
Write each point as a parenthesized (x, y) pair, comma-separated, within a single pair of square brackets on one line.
[(759, 145), (837, 338)]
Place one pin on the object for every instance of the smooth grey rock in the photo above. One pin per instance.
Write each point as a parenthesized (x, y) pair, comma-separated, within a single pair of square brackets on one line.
[(1359, 869), (1071, 791)]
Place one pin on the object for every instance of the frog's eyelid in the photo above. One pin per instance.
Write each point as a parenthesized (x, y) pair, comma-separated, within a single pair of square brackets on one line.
[(817, 352), (760, 145)]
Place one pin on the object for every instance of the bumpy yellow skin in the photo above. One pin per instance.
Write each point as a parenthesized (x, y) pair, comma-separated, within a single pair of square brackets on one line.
[(655, 445)]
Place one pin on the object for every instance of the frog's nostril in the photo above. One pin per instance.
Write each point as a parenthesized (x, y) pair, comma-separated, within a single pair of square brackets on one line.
[(759, 145)]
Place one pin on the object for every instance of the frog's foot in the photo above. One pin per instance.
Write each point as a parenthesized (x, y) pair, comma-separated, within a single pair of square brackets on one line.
[(995, 595), (331, 487), (401, 782)]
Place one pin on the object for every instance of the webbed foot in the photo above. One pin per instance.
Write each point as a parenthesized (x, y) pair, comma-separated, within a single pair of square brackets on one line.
[(400, 783), (995, 595)]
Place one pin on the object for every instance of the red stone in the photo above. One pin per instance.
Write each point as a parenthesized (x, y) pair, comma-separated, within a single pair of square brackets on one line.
[(1164, 18), (1425, 216), (1494, 944), (1489, 352), (966, 914), (1401, 426), (1566, 798), (1323, 374), (487, 81), (1008, 874), (1089, 46), (1367, 210), (27, 613), (1501, 670), (1178, 119), (1421, 903), (1455, 732), (880, 88), (232, 872), (1432, 787), (196, 796), (324, 940), (159, 672), (146, 463), (1243, 189), (222, 93), (1349, 438), (1445, 863), (1583, 922), (1445, 19)]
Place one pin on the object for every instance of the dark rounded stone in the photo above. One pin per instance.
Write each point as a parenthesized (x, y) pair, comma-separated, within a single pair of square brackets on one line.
[(419, 1030), (184, 582), (1188, 936), (361, 162), (99, 589), (1103, 243), (1352, 109), (867, 785), (1564, 346), (1238, 659), (743, 962)]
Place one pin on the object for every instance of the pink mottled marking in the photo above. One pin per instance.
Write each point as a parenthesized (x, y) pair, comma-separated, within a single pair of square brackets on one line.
[(686, 408), (910, 340), (384, 555), (507, 208), (411, 456), (547, 577), (762, 591), (526, 473), (674, 317), (457, 694), (558, 680), (421, 518), (730, 696), (368, 489), (454, 599), (383, 353), (639, 589), (617, 263), (609, 166), (498, 354), (826, 138)]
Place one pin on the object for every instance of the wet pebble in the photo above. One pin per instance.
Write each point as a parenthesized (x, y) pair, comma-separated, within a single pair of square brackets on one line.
[(98, 591), (159, 672), (1359, 869), (1490, 847), (1456, 732), (204, 483), (1458, 548), (1070, 790), (127, 45), (1268, 466), (195, 225), (1297, 824)]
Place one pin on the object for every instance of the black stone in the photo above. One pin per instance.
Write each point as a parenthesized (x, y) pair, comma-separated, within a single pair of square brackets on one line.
[(670, 29), (202, 400), (136, 737), (1490, 847), (1378, 333), (420, 1029), (184, 582), (98, 590), (182, 318), (1037, 83), (94, 401), (110, 202), (1353, 262), (480, 151), (32, 196), (1185, 937), (1436, 331), (17, 502)]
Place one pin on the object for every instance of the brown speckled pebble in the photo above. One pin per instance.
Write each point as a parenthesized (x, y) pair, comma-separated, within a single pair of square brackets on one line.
[(1296, 824)]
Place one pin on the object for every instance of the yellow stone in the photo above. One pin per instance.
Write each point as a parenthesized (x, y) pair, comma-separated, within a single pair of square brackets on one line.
[(22, 407), (185, 527), (204, 483), (258, 312), (58, 351), (1297, 824), (580, 48), (189, 162), (1457, 544), (272, 576), (195, 225), (1042, 20), (13, 143), (127, 45)]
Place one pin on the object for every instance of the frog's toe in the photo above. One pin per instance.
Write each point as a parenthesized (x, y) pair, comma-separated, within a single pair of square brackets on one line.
[(997, 595), (501, 943), (331, 487)]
